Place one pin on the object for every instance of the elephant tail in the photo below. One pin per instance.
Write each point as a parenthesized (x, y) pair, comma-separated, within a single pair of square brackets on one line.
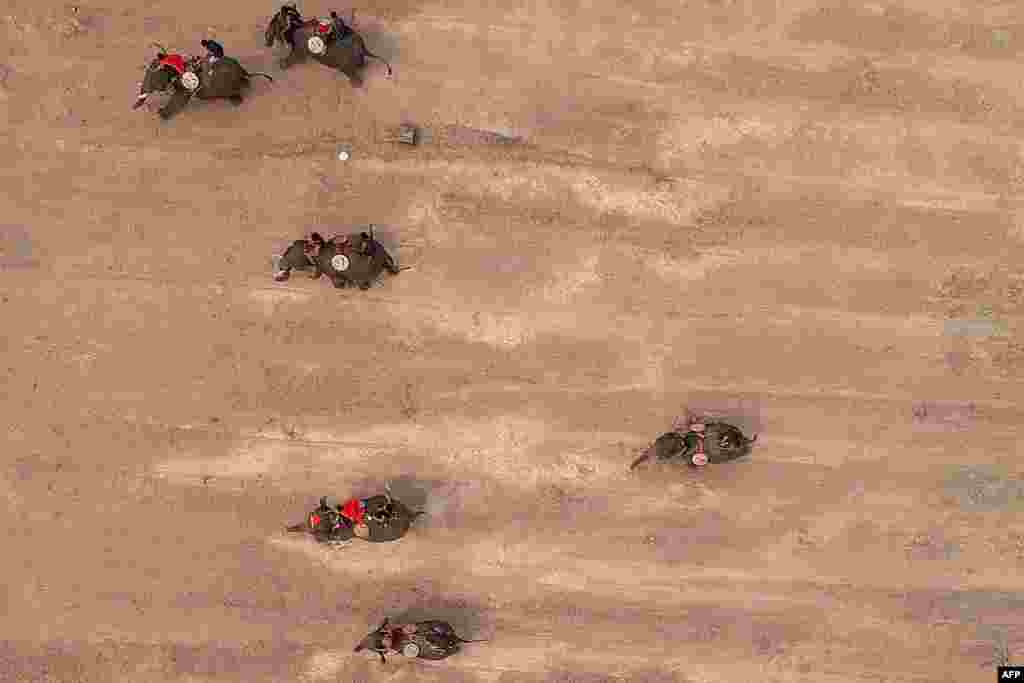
[(463, 640), (370, 54), (296, 528), (260, 73)]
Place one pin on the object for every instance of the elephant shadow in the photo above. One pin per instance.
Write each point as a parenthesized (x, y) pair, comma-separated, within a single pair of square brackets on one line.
[(383, 43), (413, 493)]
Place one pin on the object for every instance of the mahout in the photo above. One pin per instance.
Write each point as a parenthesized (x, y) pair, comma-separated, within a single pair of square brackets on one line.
[(185, 78), (329, 42)]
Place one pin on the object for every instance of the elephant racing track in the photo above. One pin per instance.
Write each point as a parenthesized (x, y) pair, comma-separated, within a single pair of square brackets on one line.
[(774, 213)]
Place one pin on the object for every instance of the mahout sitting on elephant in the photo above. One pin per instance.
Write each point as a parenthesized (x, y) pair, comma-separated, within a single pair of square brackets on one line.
[(431, 639), (377, 519), (355, 260), (184, 78), (330, 42), (703, 443)]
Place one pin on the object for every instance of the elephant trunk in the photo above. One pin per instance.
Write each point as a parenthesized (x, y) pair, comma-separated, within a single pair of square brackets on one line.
[(644, 456), (140, 100)]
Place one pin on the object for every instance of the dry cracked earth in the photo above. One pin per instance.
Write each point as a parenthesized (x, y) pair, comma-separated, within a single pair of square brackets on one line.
[(803, 216)]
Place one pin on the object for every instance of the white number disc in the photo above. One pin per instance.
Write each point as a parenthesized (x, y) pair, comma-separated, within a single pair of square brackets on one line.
[(340, 263), (316, 45)]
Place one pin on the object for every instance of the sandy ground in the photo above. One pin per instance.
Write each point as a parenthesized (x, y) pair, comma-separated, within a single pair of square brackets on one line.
[(772, 211)]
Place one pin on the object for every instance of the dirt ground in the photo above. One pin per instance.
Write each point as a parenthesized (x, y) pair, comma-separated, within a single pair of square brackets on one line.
[(774, 212)]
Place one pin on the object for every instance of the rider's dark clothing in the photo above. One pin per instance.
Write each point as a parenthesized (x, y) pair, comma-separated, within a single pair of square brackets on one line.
[(341, 29), (215, 49), (294, 22)]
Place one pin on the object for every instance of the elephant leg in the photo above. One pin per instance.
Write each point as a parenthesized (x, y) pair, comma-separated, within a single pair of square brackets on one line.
[(282, 275), (177, 102), (354, 77), (236, 99), (290, 59)]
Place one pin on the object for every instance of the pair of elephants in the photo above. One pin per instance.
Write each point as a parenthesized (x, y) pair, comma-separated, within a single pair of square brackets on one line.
[(348, 260), (386, 519), (225, 78)]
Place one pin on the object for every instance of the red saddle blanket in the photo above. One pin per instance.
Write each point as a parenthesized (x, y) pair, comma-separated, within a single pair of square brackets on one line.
[(176, 62), (354, 510)]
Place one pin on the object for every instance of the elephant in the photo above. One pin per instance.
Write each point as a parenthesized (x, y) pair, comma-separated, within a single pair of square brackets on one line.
[(347, 54), (711, 442), (431, 639), (354, 260), (380, 519), (194, 77)]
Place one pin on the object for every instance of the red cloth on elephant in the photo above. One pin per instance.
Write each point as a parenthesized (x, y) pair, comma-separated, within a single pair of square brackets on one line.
[(176, 62), (354, 510)]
